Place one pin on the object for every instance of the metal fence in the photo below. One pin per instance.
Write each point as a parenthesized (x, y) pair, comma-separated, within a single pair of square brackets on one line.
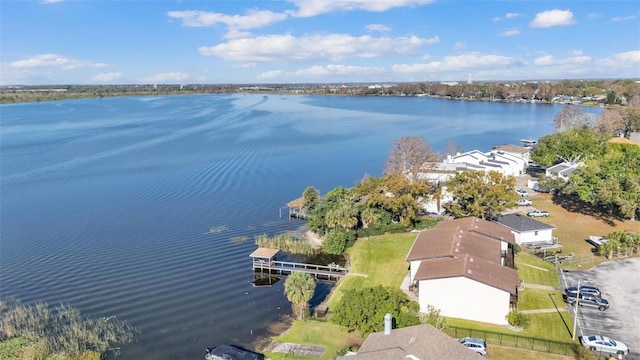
[(527, 343)]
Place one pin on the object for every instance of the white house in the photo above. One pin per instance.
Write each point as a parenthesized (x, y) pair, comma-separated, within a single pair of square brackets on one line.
[(464, 267), (527, 230), (507, 163), (562, 170)]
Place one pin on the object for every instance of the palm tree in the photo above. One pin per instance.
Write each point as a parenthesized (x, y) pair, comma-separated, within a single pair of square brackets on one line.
[(299, 288)]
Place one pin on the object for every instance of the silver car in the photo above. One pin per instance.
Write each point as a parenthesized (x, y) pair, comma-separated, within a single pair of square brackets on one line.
[(475, 344), (604, 344)]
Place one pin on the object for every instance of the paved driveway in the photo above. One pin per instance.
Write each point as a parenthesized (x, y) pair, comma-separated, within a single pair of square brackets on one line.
[(619, 282)]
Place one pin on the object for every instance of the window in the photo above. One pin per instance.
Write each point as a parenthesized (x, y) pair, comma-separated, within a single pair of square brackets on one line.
[(535, 233)]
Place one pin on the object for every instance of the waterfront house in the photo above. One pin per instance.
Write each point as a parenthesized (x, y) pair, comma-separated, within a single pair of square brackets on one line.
[(527, 230), (423, 342), (465, 268), (562, 170)]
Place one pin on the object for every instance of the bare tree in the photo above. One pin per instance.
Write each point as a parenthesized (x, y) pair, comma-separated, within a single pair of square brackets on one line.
[(571, 117), (410, 156)]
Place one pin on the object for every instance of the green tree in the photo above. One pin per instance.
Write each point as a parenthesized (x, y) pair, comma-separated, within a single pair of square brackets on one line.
[(481, 194), (433, 318), (337, 241), (364, 309), (400, 197), (410, 156), (311, 198), (299, 288), (570, 146), (342, 215)]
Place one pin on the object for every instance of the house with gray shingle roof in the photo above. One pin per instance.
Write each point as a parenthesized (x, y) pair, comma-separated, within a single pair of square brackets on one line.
[(464, 268), (562, 170), (422, 342), (527, 230)]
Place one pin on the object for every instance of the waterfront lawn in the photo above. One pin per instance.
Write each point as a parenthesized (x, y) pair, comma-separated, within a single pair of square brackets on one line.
[(532, 299), (317, 332), (554, 326), (534, 270), (377, 260)]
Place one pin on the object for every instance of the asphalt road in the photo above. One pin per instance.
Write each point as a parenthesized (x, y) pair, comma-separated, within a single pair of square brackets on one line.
[(619, 282)]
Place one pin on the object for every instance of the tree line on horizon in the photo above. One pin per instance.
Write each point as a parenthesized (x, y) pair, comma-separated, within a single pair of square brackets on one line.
[(607, 92)]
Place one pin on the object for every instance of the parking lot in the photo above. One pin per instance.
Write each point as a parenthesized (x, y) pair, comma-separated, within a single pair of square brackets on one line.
[(619, 282)]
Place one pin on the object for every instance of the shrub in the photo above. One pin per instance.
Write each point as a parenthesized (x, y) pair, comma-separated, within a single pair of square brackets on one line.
[(516, 318), (337, 241)]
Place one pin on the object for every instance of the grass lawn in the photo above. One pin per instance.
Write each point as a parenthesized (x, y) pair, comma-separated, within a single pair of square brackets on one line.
[(378, 260), (534, 270), (320, 333), (531, 299), (574, 223), (509, 353), (552, 326)]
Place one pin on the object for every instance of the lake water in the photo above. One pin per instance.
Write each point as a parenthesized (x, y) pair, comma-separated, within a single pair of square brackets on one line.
[(146, 207)]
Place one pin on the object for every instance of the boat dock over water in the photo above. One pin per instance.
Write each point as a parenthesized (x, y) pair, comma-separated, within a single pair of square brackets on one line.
[(263, 260)]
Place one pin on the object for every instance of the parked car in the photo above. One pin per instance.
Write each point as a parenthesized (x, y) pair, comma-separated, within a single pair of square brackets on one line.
[(596, 241), (538, 213), (587, 300), (584, 289), (524, 202), (475, 344), (604, 344), (522, 192)]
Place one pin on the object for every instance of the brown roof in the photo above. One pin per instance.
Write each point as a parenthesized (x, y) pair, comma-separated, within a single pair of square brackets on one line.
[(265, 253), (423, 342), (452, 237), (478, 269), (512, 149), (469, 247)]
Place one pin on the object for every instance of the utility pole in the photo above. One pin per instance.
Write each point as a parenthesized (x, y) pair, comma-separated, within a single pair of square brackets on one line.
[(575, 313)]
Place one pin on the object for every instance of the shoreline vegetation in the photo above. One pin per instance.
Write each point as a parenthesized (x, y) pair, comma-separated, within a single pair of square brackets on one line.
[(574, 92)]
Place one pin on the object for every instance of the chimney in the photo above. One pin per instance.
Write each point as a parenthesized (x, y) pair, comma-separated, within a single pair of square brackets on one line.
[(387, 324)]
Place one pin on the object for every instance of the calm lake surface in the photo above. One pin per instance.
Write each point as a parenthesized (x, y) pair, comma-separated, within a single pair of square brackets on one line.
[(146, 207)]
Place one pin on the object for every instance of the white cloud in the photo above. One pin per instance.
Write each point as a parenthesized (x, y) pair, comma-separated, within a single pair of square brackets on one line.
[(329, 70), (377, 28), (592, 16), (624, 18), (50, 1), (459, 62), (551, 18), (56, 61), (252, 19), (459, 45), (324, 71), (237, 34), (575, 52), (168, 77), (107, 77), (512, 32), (289, 48), (507, 16), (273, 74), (629, 58), (309, 8), (572, 61)]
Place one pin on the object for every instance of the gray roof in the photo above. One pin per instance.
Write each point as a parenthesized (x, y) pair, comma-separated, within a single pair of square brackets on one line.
[(522, 223), (423, 342)]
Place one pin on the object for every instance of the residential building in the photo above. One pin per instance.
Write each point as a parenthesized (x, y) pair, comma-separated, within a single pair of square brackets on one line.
[(465, 268), (527, 230), (562, 170), (420, 342)]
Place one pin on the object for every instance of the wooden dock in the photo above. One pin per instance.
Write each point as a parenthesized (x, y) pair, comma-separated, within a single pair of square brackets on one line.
[(263, 261)]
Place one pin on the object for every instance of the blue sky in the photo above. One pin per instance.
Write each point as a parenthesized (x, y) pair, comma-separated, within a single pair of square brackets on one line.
[(49, 42)]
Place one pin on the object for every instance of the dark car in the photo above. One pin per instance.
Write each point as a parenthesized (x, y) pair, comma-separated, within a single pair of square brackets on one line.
[(587, 300), (585, 289)]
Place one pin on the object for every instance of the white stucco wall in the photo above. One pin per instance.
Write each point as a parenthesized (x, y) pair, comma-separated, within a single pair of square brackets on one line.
[(533, 236), (464, 298), (414, 269)]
